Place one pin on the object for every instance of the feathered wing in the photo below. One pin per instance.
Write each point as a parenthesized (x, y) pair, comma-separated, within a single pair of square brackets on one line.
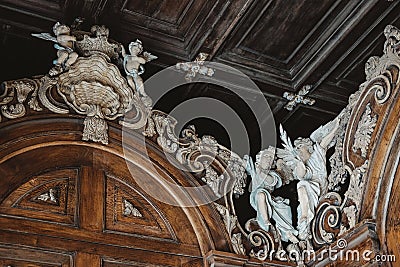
[(149, 57), (45, 36), (288, 154)]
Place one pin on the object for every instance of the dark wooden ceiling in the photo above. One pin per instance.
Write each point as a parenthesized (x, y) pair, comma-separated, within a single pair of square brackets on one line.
[(281, 44)]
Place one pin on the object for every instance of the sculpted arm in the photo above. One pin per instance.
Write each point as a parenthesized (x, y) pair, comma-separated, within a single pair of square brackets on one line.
[(329, 137)]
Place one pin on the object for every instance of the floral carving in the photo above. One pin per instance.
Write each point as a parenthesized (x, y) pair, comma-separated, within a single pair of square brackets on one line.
[(230, 222), (354, 194), (212, 179), (130, 210), (365, 128), (196, 153)]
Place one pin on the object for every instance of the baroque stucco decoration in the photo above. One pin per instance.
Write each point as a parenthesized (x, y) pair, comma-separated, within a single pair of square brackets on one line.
[(331, 210), (298, 98), (86, 79)]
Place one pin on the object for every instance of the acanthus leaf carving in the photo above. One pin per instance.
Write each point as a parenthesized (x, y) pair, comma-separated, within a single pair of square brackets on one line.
[(354, 195), (231, 222), (194, 152), (212, 178), (130, 210), (50, 196), (365, 128)]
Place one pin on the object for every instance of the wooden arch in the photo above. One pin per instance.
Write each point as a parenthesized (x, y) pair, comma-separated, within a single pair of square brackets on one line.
[(66, 202)]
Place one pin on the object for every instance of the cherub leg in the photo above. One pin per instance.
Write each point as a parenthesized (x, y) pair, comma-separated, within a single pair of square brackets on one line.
[(71, 59), (262, 210), (131, 83), (62, 57)]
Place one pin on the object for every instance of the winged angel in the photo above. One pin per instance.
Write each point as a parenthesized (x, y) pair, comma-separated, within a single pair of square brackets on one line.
[(133, 66), (64, 43), (264, 181), (306, 162)]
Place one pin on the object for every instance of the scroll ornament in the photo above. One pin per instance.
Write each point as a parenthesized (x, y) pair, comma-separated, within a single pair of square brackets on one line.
[(325, 211)]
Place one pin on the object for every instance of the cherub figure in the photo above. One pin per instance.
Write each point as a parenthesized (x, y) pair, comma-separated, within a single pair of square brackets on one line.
[(64, 44), (307, 163), (133, 66), (264, 181)]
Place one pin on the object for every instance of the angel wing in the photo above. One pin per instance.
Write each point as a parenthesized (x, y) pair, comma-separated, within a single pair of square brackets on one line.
[(149, 57), (48, 37), (288, 154), (323, 131), (45, 36)]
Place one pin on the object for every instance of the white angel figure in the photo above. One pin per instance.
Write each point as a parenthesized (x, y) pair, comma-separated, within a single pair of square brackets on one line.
[(64, 44), (307, 162), (133, 66), (264, 181)]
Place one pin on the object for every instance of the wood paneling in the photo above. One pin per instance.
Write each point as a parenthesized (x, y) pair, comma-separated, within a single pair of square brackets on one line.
[(165, 236)]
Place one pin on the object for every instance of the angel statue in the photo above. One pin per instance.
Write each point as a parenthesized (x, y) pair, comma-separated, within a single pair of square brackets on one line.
[(133, 66), (263, 182), (306, 162), (64, 44)]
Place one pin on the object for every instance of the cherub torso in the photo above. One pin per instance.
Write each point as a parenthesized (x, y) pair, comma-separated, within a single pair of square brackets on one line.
[(133, 62)]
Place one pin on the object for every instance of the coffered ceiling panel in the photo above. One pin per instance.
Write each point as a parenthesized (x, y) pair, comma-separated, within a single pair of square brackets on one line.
[(45, 9), (176, 29), (277, 29), (282, 45), (168, 13)]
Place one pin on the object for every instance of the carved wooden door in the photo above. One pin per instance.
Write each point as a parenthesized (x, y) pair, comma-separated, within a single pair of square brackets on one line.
[(70, 203)]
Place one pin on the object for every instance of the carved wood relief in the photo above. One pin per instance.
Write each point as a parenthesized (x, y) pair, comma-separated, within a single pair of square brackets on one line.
[(101, 211), (50, 196), (128, 211)]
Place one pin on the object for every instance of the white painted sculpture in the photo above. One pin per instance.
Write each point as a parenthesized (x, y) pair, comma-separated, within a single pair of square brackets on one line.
[(133, 66), (64, 45), (264, 181), (307, 161)]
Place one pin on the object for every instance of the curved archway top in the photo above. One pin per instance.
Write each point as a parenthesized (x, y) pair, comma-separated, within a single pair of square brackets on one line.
[(96, 80), (88, 80)]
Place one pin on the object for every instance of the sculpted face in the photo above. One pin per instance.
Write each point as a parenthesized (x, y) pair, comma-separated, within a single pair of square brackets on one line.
[(61, 29), (304, 153), (135, 48)]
